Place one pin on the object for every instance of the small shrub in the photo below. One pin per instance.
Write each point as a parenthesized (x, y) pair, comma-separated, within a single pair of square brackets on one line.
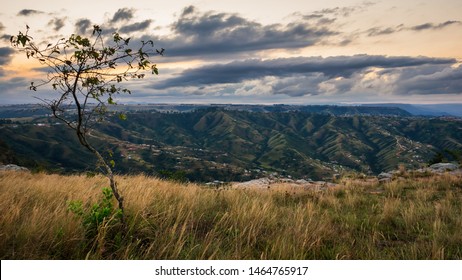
[(98, 214)]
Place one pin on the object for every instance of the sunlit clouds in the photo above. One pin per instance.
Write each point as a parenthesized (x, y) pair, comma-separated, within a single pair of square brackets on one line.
[(234, 52)]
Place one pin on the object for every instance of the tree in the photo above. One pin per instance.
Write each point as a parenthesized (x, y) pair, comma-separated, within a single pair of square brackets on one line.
[(87, 73)]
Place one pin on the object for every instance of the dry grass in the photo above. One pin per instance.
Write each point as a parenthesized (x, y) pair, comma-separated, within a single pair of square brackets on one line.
[(418, 218)]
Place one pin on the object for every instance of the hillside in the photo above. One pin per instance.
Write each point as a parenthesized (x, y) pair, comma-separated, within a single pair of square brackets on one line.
[(407, 218), (232, 145)]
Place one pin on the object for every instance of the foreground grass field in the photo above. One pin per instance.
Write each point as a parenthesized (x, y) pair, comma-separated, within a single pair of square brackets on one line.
[(415, 218)]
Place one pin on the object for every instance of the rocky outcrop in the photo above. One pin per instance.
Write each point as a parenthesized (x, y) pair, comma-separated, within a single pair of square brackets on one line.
[(267, 183), (384, 177), (434, 169), (443, 167), (12, 167), (257, 183)]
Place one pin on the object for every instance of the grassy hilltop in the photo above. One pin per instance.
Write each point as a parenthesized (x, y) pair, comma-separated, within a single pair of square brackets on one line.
[(408, 218)]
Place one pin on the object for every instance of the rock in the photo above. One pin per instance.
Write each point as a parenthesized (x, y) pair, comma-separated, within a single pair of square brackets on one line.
[(384, 175), (302, 181), (267, 183), (442, 167), (286, 180), (257, 183), (12, 167), (384, 180)]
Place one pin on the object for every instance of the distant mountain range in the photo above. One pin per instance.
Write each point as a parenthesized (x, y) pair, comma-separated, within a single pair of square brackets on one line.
[(239, 142), (396, 109), (426, 109)]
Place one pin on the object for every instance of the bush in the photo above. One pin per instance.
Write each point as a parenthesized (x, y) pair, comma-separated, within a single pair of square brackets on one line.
[(99, 214)]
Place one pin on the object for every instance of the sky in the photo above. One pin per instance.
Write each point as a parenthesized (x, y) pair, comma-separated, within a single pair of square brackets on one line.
[(265, 52)]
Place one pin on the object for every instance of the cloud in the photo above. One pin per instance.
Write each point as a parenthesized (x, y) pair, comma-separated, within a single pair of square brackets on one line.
[(345, 76), (198, 33), (13, 83), (29, 12), (378, 31), (13, 91), (82, 25), (433, 26), (123, 14), (188, 10), (57, 23), (441, 81), (343, 11), (331, 67), (6, 54), (5, 38), (138, 26)]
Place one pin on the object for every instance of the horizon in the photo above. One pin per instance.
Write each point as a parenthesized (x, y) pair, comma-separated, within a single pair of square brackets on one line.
[(256, 104), (335, 52)]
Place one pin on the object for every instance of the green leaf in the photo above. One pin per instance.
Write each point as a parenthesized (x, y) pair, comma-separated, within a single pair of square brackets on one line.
[(122, 117), (76, 207), (112, 89), (23, 39), (117, 37), (112, 163), (154, 69)]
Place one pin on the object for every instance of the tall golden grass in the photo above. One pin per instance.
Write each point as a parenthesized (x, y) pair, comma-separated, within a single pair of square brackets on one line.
[(413, 218)]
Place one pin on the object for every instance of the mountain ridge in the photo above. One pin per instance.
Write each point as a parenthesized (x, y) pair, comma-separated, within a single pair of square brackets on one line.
[(228, 145)]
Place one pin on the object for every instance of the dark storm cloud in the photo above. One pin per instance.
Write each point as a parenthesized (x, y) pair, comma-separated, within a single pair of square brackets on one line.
[(122, 15), (29, 12), (196, 33), (82, 25), (340, 66), (57, 23), (137, 26)]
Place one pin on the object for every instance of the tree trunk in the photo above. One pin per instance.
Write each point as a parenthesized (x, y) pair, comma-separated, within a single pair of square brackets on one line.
[(108, 173)]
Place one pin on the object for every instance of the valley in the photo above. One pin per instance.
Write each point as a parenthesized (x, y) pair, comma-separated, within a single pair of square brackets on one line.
[(237, 142)]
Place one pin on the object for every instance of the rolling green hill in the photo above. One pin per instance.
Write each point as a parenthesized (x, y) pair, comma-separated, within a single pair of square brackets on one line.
[(224, 144)]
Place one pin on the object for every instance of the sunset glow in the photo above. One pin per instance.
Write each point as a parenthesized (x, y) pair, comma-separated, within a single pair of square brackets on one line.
[(261, 51)]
